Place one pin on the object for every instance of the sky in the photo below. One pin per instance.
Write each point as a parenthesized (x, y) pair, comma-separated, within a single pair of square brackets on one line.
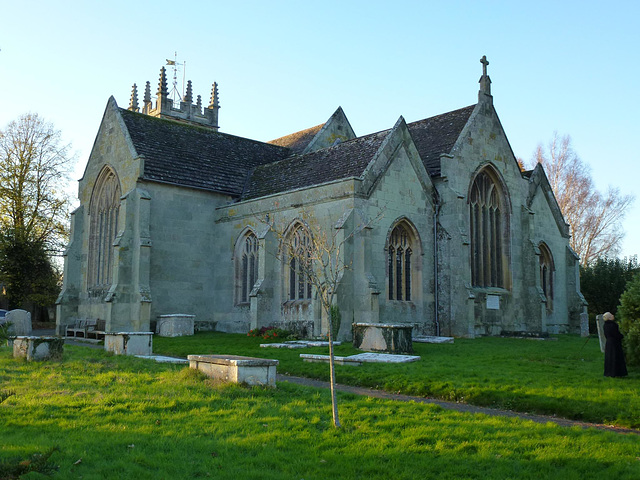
[(564, 66)]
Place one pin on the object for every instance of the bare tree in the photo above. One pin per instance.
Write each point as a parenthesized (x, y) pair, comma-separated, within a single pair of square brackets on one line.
[(33, 174), (595, 218), (319, 256)]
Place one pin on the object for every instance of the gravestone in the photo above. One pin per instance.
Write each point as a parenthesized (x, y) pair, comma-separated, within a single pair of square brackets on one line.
[(175, 325), (584, 324), (383, 337), (38, 348), (601, 337), (20, 322)]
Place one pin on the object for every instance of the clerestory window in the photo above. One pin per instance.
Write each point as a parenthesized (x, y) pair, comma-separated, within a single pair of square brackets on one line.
[(103, 228)]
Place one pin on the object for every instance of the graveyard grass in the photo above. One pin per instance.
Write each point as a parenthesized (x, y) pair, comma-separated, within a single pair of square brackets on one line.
[(123, 417)]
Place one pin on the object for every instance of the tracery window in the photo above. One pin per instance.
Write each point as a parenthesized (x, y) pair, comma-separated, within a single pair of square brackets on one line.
[(103, 228), (399, 264), (298, 264), (488, 229), (246, 267), (546, 274)]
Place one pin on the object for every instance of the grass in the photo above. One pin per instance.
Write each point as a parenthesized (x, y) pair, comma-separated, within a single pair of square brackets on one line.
[(562, 377), (101, 416)]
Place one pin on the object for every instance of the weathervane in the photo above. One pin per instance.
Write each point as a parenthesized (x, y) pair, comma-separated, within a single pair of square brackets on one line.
[(174, 90)]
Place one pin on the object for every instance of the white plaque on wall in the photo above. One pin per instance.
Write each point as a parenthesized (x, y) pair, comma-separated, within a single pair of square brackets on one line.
[(493, 302)]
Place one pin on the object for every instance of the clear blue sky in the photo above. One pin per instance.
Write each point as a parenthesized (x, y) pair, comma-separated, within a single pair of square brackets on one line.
[(566, 66)]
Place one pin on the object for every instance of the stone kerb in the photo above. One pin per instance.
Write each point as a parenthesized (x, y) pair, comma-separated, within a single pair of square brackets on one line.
[(129, 343), (20, 322), (236, 369), (34, 347), (383, 337), (175, 325)]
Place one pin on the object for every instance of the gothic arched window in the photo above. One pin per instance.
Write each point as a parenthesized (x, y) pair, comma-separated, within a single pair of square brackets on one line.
[(546, 274), (399, 253), (298, 264), (246, 267), (489, 231), (103, 228)]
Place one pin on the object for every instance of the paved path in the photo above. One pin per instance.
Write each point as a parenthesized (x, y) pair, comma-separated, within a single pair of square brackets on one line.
[(460, 407)]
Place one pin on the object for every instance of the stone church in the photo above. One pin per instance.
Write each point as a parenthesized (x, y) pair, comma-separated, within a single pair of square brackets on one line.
[(176, 217)]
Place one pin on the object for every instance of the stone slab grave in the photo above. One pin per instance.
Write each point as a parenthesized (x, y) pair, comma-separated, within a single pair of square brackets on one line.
[(20, 322), (383, 337), (34, 347), (175, 325), (292, 344), (601, 337), (129, 343), (432, 339), (236, 369), (361, 358), (163, 359)]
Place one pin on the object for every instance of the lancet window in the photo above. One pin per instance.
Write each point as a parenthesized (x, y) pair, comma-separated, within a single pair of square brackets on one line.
[(546, 274), (399, 260), (246, 267), (299, 264), (488, 229), (103, 228)]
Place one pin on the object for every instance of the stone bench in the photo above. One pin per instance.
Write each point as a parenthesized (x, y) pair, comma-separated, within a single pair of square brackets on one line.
[(129, 343), (383, 337), (34, 347), (236, 369), (175, 325)]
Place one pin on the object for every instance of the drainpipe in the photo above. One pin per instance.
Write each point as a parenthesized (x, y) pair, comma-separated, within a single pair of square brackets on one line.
[(436, 215)]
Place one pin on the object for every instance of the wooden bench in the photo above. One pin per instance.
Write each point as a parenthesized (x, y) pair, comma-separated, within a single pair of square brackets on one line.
[(86, 328)]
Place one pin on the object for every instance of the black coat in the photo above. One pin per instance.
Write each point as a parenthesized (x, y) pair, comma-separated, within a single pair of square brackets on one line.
[(614, 364)]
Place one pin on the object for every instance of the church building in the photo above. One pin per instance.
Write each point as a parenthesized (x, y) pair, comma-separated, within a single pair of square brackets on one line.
[(440, 226)]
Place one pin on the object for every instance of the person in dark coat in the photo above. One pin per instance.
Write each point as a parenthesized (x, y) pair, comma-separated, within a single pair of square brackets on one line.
[(614, 364)]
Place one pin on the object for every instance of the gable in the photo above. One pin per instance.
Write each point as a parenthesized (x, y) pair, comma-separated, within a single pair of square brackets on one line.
[(539, 184)]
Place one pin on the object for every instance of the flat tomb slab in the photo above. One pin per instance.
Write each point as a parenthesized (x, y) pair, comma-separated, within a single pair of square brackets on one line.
[(129, 343), (236, 369), (34, 347), (308, 357), (432, 339)]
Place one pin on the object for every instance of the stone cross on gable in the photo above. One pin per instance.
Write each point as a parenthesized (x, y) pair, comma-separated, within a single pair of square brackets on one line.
[(484, 63)]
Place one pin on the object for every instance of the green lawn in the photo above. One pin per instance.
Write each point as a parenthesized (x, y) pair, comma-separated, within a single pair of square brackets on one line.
[(562, 377), (121, 418)]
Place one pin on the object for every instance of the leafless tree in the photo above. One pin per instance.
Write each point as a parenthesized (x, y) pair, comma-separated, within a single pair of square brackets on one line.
[(34, 170), (595, 218), (320, 257)]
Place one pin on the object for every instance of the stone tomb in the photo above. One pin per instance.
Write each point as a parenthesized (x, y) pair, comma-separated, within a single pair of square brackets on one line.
[(236, 369), (129, 343), (37, 348), (176, 325), (383, 337)]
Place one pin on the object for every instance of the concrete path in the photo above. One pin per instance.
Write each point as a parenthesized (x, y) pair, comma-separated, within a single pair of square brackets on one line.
[(459, 407)]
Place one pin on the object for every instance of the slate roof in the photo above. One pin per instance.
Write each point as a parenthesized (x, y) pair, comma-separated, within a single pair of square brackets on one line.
[(432, 137), (345, 160), (194, 156), (298, 141), (436, 135)]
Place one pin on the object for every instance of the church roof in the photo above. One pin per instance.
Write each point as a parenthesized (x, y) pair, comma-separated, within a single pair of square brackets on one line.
[(432, 137), (199, 157), (298, 141), (195, 156)]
